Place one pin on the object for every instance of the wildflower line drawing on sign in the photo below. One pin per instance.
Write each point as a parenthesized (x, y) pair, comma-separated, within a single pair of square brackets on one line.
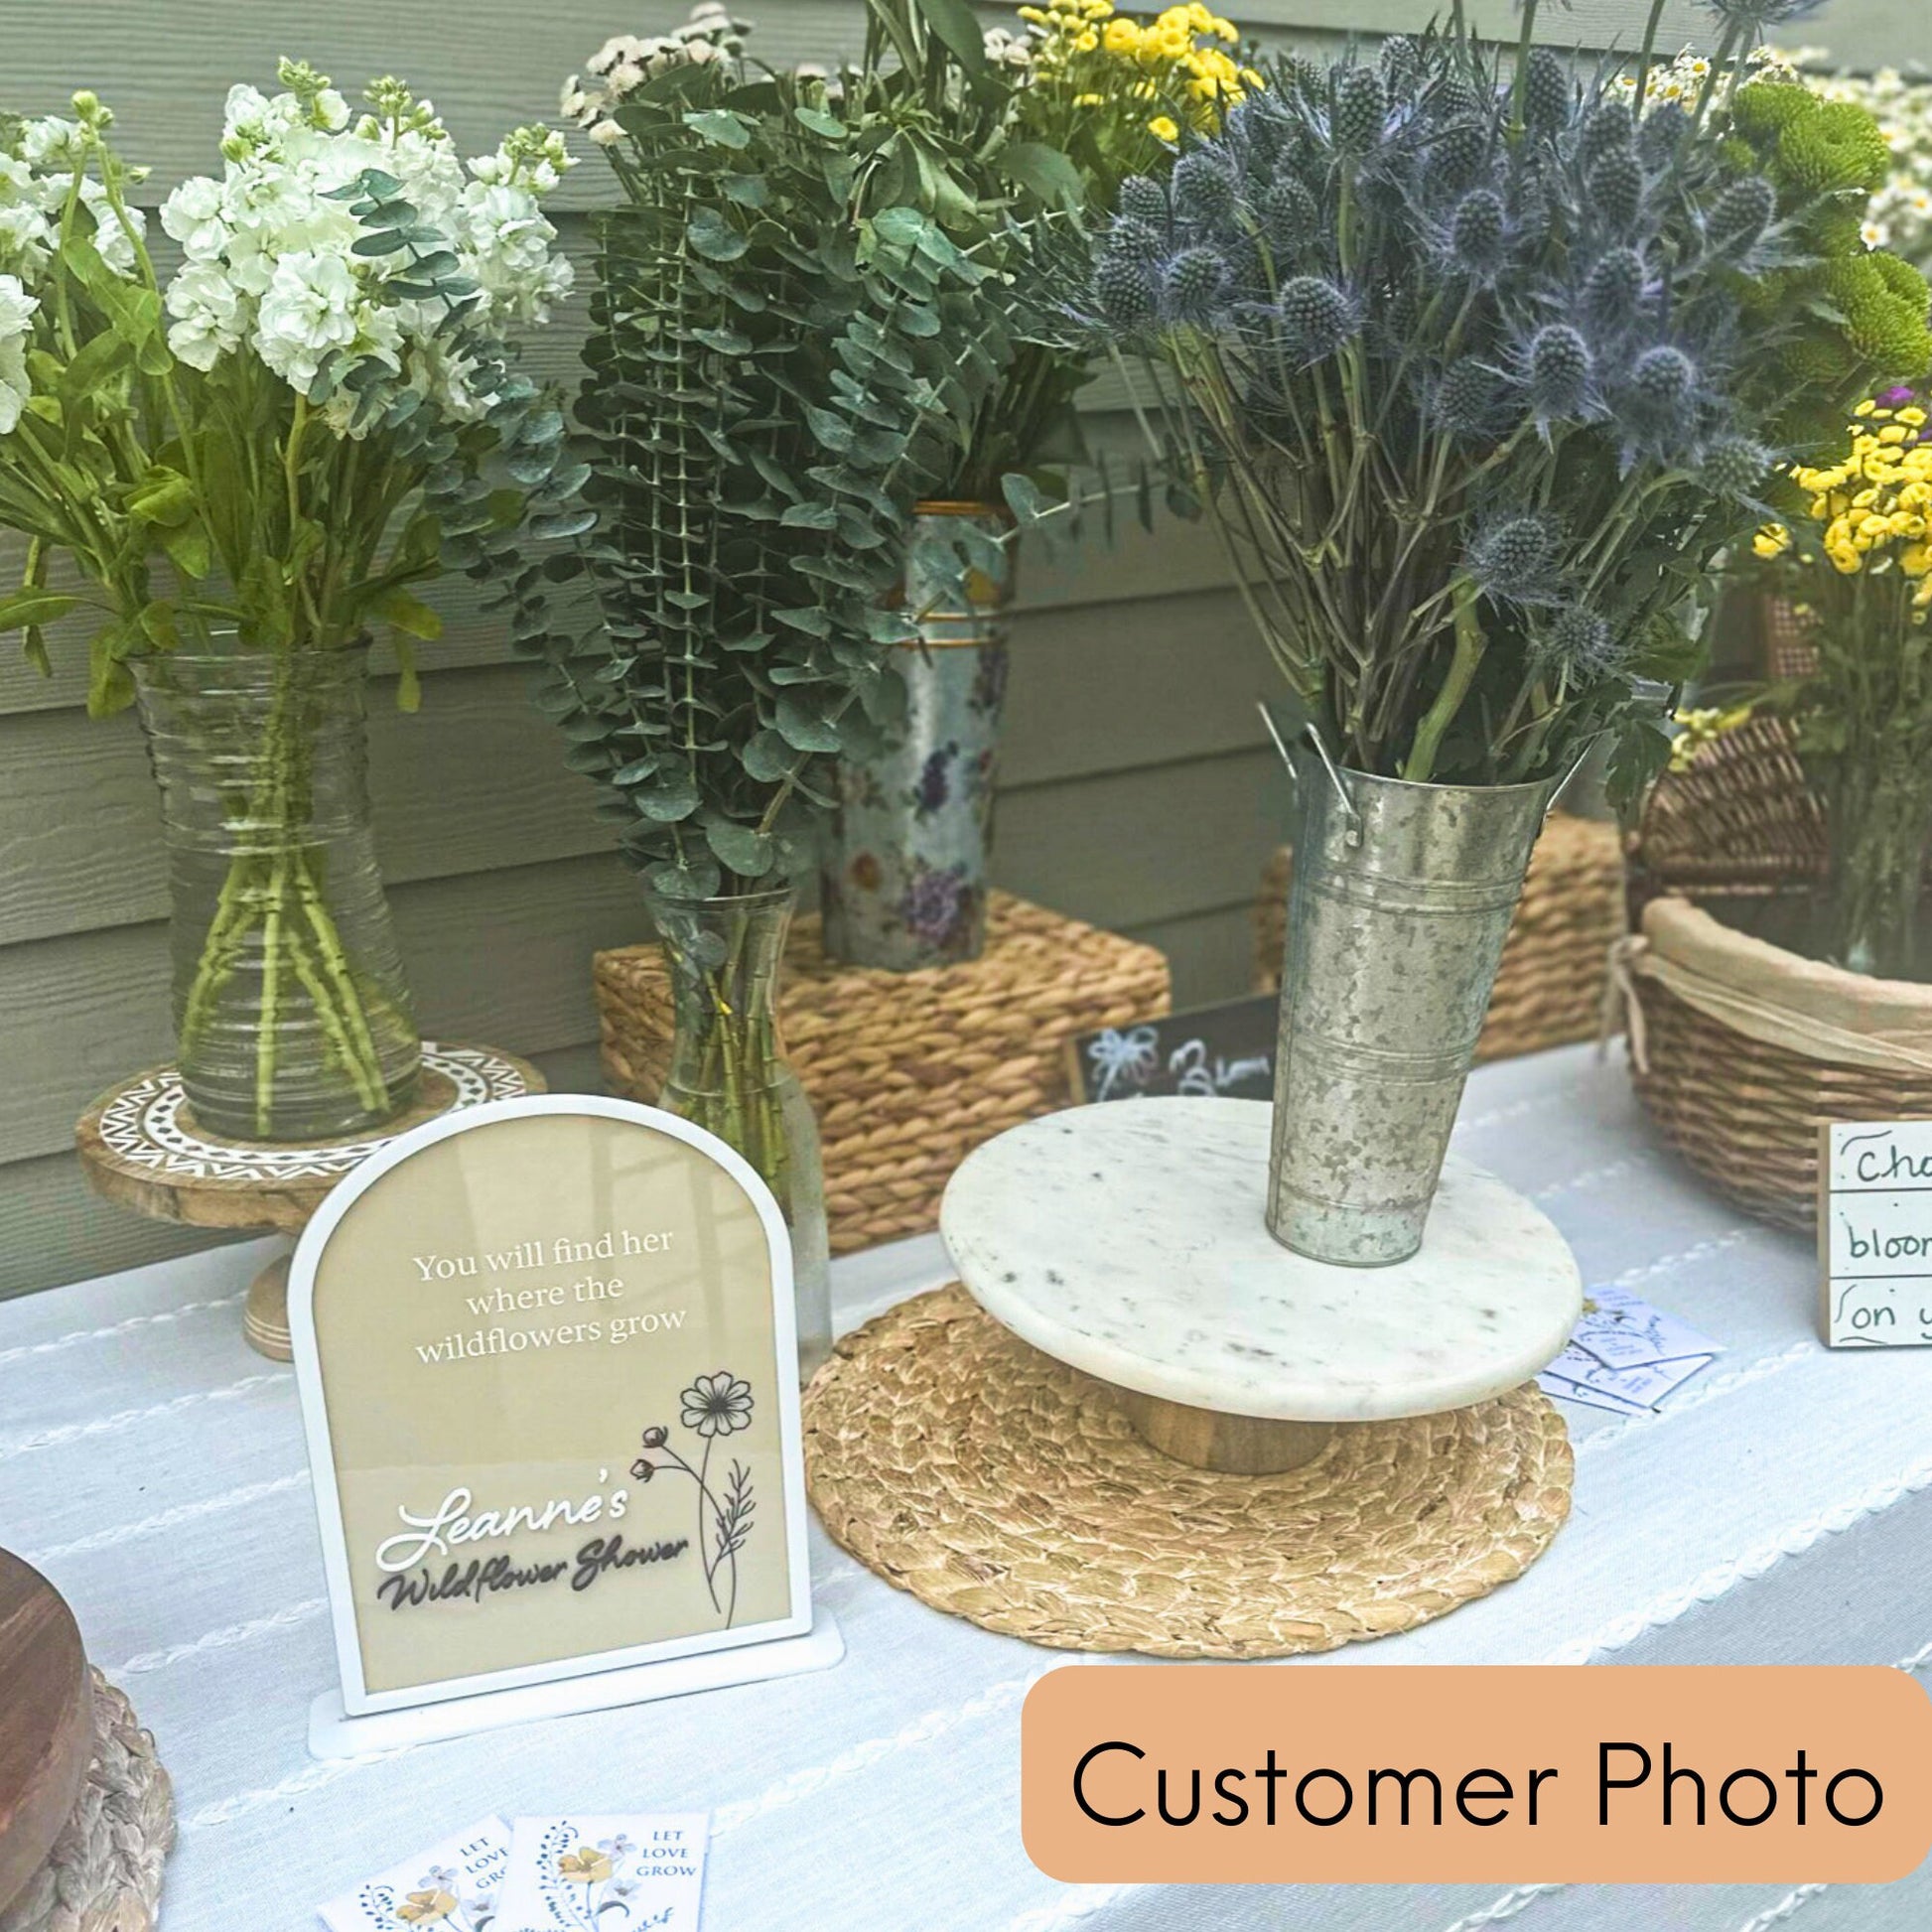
[(713, 1408)]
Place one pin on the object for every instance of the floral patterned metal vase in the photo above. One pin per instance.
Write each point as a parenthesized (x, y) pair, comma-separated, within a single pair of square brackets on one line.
[(904, 877)]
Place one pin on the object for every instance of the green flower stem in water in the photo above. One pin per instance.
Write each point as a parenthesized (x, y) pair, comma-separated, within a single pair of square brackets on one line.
[(728, 1070), (1880, 817), (275, 887), (728, 1073), (281, 893)]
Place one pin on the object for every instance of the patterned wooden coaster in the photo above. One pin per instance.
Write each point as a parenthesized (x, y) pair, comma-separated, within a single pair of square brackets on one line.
[(104, 1873), (141, 1147), (992, 1481)]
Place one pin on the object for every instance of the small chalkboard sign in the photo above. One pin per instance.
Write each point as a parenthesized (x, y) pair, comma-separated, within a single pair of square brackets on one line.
[(1874, 1233), (1225, 1051)]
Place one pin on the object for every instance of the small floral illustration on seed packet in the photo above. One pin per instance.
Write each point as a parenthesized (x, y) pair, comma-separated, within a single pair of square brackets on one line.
[(592, 1874)]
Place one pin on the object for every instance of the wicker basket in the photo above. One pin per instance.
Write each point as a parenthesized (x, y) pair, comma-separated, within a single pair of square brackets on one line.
[(1742, 1049), (910, 1071), (1549, 986)]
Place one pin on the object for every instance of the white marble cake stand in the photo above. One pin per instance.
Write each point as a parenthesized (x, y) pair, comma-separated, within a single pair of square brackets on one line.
[(1126, 1239)]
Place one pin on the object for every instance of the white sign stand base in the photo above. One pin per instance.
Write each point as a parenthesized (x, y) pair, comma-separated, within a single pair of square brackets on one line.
[(331, 1733)]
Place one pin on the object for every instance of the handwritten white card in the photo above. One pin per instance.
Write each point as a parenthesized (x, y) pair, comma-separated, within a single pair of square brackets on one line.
[(588, 1873), (453, 1887), (1874, 1234), (1625, 1355)]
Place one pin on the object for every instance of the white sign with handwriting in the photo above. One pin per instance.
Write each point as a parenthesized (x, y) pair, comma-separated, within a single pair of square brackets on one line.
[(1874, 1234)]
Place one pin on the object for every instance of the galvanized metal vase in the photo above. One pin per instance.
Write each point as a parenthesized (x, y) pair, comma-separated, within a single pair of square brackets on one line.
[(903, 884), (1401, 899)]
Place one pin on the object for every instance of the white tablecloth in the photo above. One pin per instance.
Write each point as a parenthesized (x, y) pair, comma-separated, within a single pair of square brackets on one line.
[(153, 1467)]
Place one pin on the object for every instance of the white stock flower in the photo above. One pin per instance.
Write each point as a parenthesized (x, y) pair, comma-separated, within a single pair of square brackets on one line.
[(112, 240), (508, 242), (209, 315), (48, 140), (17, 309), (195, 214), (26, 238), (308, 309)]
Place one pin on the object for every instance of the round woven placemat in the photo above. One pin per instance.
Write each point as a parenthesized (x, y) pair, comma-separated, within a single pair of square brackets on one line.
[(992, 1481), (104, 1872)]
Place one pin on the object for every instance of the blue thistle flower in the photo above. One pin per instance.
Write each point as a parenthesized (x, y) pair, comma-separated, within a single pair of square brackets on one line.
[(1477, 231), (1737, 467), (1660, 410), (1614, 185), (1559, 373), (1126, 288), (1139, 241), (1193, 283), (1400, 60), (1744, 210), (1315, 318), (1756, 16), (1662, 134), (1288, 218), (1513, 560), (1610, 126), (1465, 399), (1360, 108), (1579, 642), (1143, 198), (1613, 292), (1456, 154), (1203, 191), (1663, 378), (1548, 100)]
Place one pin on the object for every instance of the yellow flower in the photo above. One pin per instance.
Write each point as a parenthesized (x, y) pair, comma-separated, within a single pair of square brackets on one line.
[(1913, 417), (1772, 541), (1162, 128), (425, 1907), (1121, 37), (1916, 560), (586, 1866)]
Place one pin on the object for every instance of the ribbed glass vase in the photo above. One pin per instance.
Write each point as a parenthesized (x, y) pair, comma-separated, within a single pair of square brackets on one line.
[(292, 1017), (728, 1073)]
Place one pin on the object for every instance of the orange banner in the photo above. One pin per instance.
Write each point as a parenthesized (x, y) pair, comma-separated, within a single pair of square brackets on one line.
[(1326, 1774)]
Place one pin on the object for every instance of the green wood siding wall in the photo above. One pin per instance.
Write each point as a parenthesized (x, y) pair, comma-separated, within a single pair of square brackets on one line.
[(1137, 789)]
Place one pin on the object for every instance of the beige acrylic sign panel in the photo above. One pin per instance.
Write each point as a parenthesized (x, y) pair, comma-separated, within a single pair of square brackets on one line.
[(549, 1374)]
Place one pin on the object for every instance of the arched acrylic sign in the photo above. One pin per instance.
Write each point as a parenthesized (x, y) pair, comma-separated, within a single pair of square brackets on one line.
[(548, 1368)]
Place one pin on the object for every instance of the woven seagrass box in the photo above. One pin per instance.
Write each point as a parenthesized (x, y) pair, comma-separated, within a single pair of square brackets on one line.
[(1741, 1048), (909, 1072), (1549, 988)]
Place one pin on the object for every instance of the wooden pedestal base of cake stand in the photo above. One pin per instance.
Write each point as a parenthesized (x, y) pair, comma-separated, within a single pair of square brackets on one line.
[(142, 1147)]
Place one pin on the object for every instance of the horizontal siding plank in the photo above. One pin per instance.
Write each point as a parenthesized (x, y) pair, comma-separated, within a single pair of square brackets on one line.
[(54, 1227), (1136, 848), (1163, 679), (1210, 954)]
